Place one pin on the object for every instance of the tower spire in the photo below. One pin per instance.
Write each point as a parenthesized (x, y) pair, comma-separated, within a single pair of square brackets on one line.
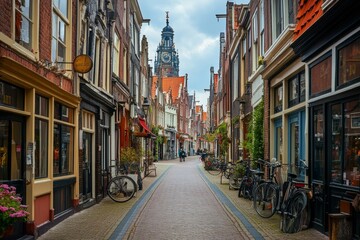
[(167, 18)]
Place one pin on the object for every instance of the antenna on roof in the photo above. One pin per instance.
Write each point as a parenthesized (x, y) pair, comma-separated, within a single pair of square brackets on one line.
[(167, 17)]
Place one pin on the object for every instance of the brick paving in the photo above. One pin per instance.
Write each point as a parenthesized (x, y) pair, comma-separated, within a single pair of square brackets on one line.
[(183, 207), (100, 221)]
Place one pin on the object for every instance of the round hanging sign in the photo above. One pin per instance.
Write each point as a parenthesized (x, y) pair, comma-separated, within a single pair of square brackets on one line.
[(82, 63)]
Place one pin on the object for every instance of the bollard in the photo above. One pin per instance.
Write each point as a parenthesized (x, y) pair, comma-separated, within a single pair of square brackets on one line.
[(340, 226)]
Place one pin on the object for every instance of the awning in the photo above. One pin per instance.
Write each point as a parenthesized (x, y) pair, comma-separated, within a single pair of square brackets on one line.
[(143, 124)]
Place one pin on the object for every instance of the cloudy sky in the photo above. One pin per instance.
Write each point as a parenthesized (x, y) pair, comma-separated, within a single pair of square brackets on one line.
[(196, 36)]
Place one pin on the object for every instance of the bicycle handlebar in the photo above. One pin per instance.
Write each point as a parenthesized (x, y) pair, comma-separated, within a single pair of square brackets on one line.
[(274, 163), (302, 161)]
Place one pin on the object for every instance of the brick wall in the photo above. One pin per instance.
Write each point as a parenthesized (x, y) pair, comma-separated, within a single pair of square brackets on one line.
[(5, 19), (45, 28)]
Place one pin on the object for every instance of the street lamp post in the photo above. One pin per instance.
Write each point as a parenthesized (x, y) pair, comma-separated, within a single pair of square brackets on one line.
[(145, 108)]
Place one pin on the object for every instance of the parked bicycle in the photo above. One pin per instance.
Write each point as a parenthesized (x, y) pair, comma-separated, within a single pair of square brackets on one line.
[(266, 195), (293, 206), (121, 188), (251, 179), (295, 210), (215, 166)]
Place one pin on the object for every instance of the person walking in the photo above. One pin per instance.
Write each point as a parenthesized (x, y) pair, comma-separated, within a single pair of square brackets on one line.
[(183, 155), (180, 154)]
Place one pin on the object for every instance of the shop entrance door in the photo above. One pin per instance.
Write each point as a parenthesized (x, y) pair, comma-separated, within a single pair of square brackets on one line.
[(12, 156), (87, 165), (319, 166)]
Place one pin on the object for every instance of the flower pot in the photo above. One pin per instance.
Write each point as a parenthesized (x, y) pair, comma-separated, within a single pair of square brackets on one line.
[(8, 232)]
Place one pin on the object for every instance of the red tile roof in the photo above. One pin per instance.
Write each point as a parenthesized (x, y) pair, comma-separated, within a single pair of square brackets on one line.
[(198, 108), (204, 116), (309, 12), (173, 84)]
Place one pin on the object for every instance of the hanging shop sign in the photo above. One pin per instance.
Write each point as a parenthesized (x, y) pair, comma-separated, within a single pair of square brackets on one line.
[(82, 64)]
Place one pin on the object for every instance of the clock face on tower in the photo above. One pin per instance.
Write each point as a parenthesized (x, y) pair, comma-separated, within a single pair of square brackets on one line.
[(165, 57)]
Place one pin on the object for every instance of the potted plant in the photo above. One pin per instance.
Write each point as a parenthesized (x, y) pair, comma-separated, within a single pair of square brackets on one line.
[(11, 209)]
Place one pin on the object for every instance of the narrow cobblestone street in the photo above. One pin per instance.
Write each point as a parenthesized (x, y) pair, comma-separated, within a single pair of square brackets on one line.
[(183, 207), (182, 202)]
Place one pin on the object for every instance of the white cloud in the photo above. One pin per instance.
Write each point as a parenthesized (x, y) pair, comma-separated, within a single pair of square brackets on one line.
[(202, 97), (196, 35)]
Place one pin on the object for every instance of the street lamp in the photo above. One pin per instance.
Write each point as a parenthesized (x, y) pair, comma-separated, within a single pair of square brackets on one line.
[(146, 106)]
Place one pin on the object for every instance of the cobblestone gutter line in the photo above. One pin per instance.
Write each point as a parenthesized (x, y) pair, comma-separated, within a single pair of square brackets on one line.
[(233, 209), (123, 228)]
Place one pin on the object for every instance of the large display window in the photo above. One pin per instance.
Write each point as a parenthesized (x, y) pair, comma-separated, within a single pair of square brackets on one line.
[(63, 140), (345, 142)]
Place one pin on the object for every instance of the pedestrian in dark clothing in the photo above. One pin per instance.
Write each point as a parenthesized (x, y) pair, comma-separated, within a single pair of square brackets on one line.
[(183, 155), (203, 156)]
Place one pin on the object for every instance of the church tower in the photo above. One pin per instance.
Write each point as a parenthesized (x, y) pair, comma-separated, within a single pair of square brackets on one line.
[(167, 59)]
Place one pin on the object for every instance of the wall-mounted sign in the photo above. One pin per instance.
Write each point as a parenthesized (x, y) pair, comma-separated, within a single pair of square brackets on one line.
[(82, 64)]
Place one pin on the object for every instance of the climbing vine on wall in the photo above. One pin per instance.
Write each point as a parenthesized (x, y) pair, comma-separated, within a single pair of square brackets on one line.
[(222, 135), (254, 141), (159, 140)]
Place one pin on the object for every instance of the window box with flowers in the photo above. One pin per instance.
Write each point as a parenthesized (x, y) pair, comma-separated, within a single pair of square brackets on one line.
[(11, 209)]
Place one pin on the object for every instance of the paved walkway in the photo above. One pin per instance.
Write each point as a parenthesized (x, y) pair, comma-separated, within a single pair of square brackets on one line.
[(110, 220), (183, 207)]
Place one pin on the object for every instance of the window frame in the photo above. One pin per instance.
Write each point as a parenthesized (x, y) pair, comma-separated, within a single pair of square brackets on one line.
[(42, 164), (316, 63), (299, 98), (61, 150), (116, 55), (58, 16), (340, 47), (278, 102)]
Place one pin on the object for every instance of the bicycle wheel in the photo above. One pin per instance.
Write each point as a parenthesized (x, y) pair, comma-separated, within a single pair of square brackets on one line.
[(228, 170), (266, 197), (213, 167), (246, 187), (234, 182), (121, 188), (294, 213)]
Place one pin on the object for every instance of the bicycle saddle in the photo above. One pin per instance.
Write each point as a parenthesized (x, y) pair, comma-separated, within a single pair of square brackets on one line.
[(292, 175), (257, 172)]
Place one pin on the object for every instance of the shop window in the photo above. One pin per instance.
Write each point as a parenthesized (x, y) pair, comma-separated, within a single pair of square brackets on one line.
[(63, 113), (63, 156), (320, 76), (278, 99), (349, 62), (318, 144), (296, 89), (63, 149), (41, 150), (23, 23), (41, 136), (345, 150), (352, 143), (11, 96), (41, 106), (336, 143)]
